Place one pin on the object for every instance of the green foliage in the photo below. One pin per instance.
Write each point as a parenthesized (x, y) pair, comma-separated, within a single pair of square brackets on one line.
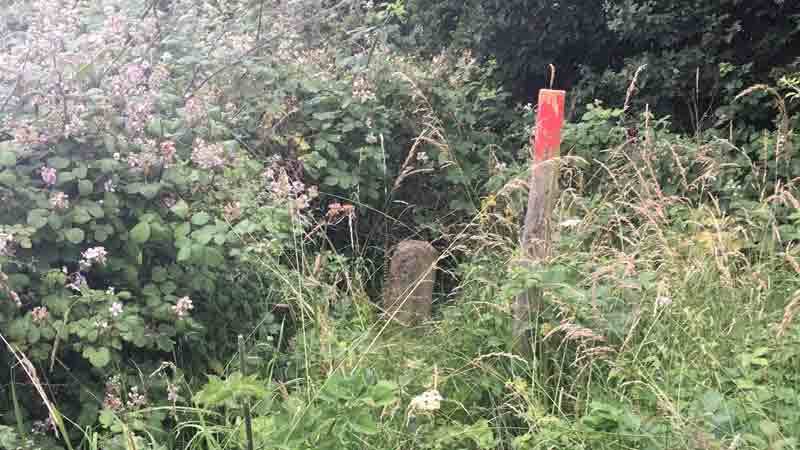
[(174, 174), (694, 60)]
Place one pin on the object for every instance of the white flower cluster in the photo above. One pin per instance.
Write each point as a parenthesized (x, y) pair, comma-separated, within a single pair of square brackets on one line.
[(183, 307), (426, 402), (92, 256)]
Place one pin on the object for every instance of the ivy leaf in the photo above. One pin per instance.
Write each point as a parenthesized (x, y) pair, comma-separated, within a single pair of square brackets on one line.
[(200, 218), (141, 233), (74, 235)]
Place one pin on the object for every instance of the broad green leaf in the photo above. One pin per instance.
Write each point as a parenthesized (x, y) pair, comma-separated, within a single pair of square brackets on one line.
[(85, 187), (382, 393), (34, 334), (181, 209), (80, 215), (110, 142), (363, 424), (74, 235), (55, 221), (182, 230), (7, 158), (212, 257), (141, 233), (150, 190), (98, 357), (200, 218), (7, 177), (184, 253), (37, 218), (205, 234), (95, 210), (155, 127), (58, 162)]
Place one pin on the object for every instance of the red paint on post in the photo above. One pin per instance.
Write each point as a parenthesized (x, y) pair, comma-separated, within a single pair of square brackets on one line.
[(550, 119)]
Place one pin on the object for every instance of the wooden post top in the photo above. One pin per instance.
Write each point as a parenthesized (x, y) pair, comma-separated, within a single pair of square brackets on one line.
[(549, 119)]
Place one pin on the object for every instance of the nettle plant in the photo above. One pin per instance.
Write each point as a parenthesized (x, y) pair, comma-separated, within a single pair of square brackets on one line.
[(129, 207)]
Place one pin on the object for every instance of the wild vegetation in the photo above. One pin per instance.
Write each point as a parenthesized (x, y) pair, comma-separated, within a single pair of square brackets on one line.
[(199, 198)]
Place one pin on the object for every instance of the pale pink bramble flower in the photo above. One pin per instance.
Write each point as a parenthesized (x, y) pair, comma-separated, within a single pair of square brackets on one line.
[(158, 77), (208, 156), (112, 398), (49, 175), (183, 307), (282, 189), (6, 241), (135, 74), (40, 314), (167, 151), (172, 392), (92, 256), (115, 309), (27, 135), (59, 200), (194, 111), (115, 25), (17, 300), (135, 399), (138, 112)]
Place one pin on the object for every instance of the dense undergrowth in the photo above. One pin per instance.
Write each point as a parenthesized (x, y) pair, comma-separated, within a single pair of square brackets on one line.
[(177, 174)]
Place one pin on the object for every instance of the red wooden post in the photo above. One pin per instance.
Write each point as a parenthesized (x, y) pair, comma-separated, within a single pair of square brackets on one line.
[(550, 119), (543, 187)]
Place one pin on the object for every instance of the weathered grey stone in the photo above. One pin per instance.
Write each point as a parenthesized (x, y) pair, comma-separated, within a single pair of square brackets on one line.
[(408, 292)]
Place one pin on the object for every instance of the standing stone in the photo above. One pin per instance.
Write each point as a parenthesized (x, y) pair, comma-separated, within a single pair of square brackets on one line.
[(408, 293)]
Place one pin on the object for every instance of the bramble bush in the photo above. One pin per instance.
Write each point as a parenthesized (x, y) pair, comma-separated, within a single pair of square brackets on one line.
[(131, 214), (177, 173), (159, 156)]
